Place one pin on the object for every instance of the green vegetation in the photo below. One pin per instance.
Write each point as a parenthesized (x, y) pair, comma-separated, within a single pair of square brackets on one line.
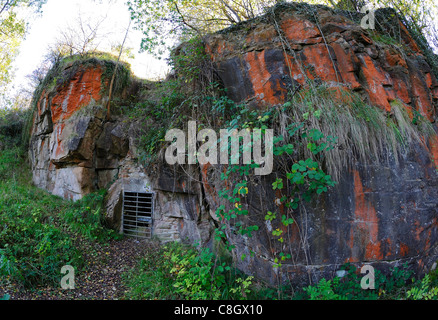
[(12, 32), (176, 271), (39, 234), (38, 231), (400, 284), (320, 131)]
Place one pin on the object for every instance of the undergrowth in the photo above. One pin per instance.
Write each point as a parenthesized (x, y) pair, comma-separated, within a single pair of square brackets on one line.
[(39, 231), (177, 271), (399, 284)]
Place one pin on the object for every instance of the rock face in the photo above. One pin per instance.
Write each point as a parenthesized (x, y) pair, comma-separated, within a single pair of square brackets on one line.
[(75, 150), (380, 214), (263, 59), (67, 121)]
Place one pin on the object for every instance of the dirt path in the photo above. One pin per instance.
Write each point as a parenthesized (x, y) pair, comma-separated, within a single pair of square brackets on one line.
[(102, 277)]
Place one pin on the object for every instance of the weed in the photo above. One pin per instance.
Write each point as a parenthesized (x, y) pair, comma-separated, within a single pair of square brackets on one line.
[(177, 271), (38, 230)]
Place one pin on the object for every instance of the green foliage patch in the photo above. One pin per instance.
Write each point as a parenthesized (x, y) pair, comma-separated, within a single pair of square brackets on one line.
[(399, 284), (177, 271), (39, 231)]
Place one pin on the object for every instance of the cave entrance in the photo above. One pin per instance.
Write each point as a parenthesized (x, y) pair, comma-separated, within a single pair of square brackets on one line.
[(138, 208)]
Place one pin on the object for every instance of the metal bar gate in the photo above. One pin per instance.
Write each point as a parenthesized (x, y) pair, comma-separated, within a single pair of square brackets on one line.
[(137, 214)]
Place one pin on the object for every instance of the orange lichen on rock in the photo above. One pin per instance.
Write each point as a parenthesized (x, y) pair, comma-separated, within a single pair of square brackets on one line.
[(401, 90), (433, 141), (300, 31), (208, 187), (404, 249), (346, 62), (407, 38), (366, 222), (422, 96), (319, 63), (394, 58), (265, 88), (78, 92), (376, 80), (335, 50)]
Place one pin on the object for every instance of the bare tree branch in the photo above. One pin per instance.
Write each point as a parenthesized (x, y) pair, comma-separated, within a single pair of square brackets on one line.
[(8, 2), (232, 10)]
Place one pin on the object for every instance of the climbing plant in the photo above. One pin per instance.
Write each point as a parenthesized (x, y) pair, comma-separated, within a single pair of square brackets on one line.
[(299, 180), (320, 131)]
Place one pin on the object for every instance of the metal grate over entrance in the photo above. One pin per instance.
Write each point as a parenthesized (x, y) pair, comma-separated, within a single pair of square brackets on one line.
[(137, 214)]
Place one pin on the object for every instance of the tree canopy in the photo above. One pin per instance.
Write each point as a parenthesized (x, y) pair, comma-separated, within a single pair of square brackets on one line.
[(165, 22), (12, 32)]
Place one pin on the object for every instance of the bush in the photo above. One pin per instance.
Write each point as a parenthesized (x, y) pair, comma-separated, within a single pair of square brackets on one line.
[(398, 284), (11, 127), (176, 271), (38, 231), (424, 289), (32, 251), (85, 217)]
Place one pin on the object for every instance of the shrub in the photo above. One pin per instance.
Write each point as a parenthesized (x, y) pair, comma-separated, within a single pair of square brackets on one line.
[(32, 251), (11, 127), (176, 271), (423, 290), (85, 217), (38, 231), (391, 286)]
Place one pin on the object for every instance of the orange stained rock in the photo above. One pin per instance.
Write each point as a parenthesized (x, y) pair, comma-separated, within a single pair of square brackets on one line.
[(83, 87), (418, 230), (422, 96), (263, 34), (432, 84), (58, 146), (401, 90), (319, 62), (376, 79), (299, 30), (219, 48), (433, 141), (340, 94), (388, 244), (265, 88), (295, 68), (404, 249), (366, 222), (210, 189), (346, 62), (394, 58), (407, 38)]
